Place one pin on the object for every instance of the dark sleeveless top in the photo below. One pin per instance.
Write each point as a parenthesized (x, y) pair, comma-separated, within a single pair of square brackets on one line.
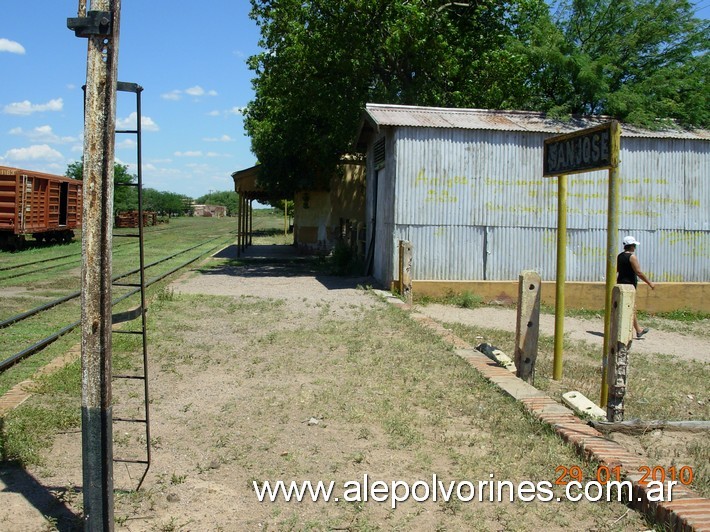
[(626, 273)]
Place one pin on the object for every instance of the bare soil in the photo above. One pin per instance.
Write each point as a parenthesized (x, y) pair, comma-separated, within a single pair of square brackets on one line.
[(253, 390), (676, 344)]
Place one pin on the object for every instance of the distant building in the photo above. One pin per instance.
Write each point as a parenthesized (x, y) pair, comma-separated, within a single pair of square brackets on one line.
[(210, 211)]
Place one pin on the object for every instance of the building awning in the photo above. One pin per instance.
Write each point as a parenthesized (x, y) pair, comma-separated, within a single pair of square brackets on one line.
[(246, 185)]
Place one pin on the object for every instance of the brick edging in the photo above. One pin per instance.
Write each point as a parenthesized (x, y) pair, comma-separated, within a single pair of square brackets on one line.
[(688, 512), (22, 391)]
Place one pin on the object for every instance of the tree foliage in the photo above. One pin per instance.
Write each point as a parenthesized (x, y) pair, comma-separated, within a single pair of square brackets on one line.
[(638, 60), (166, 203), (125, 198), (642, 61)]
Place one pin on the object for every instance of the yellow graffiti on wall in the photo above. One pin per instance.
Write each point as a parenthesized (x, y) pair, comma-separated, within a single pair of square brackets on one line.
[(593, 252), (440, 188), (691, 244), (440, 196), (439, 182)]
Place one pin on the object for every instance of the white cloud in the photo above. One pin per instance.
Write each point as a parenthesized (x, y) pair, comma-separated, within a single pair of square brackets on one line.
[(38, 152), (12, 47), (27, 108), (194, 153), (236, 110), (42, 134), (223, 138), (131, 121), (127, 144), (172, 95), (195, 91)]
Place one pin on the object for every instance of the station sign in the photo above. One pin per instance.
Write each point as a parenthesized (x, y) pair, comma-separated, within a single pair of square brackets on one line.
[(582, 151)]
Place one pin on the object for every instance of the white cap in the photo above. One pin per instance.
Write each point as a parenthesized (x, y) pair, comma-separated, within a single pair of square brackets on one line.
[(630, 241)]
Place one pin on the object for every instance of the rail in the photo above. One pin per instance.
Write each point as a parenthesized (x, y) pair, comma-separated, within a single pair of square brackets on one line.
[(41, 344), (32, 312), (76, 256)]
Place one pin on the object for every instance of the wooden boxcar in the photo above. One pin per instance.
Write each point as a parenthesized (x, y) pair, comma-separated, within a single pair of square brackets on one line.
[(46, 206)]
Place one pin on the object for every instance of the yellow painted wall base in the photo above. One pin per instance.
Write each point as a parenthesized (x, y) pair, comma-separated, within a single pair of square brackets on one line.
[(665, 298)]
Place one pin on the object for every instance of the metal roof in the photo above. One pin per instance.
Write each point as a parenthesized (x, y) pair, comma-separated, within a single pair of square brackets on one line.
[(379, 115)]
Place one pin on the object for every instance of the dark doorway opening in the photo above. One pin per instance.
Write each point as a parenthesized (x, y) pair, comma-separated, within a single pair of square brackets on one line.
[(63, 203)]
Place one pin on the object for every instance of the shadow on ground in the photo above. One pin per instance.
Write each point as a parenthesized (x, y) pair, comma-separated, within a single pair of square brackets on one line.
[(281, 261), (48, 501)]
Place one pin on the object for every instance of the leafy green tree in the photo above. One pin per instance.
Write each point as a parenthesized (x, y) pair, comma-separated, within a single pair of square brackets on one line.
[(324, 60), (642, 61), (228, 198), (638, 60), (125, 198), (166, 203)]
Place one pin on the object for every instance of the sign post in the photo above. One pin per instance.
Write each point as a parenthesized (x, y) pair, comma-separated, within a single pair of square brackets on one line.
[(587, 150)]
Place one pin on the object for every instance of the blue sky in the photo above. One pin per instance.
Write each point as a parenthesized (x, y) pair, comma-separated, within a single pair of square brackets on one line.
[(190, 58)]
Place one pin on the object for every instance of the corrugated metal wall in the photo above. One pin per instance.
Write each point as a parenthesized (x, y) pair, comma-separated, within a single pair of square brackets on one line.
[(475, 206)]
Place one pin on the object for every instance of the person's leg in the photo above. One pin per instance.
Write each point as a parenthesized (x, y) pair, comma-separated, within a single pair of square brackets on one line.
[(637, 327), (640, 331)]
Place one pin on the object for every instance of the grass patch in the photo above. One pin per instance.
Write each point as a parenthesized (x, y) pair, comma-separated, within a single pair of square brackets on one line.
[(653, 390), (465, 299), (55, 406)]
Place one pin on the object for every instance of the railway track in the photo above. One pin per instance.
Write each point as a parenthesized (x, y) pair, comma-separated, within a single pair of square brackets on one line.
[(44, 342), (76, 256)]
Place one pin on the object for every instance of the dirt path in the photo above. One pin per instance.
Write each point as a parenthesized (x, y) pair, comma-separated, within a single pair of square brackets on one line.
[(297, 375), (656, 341)]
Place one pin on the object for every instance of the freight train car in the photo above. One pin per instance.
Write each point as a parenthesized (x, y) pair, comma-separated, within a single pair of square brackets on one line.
[(46, 206)]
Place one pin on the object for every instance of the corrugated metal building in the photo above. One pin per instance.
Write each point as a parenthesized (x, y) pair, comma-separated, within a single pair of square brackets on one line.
[(465, 186)]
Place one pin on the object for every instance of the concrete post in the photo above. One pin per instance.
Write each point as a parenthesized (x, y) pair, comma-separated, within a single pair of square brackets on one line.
[(621, 335), (101, 27), (527, 329), (405, 270)]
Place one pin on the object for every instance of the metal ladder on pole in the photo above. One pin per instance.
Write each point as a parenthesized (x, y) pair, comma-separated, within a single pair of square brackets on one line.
[(135, 287)]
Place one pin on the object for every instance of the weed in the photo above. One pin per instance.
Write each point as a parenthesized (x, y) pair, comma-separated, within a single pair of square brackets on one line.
[(177, 479)]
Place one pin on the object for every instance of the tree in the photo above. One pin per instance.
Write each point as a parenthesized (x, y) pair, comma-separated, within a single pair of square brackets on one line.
[(637, 60), (165, 203), (324, 60), (642, 61), (125, 198)]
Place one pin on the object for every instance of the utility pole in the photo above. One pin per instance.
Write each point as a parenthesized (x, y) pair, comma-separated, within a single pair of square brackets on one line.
[(100, 25)]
